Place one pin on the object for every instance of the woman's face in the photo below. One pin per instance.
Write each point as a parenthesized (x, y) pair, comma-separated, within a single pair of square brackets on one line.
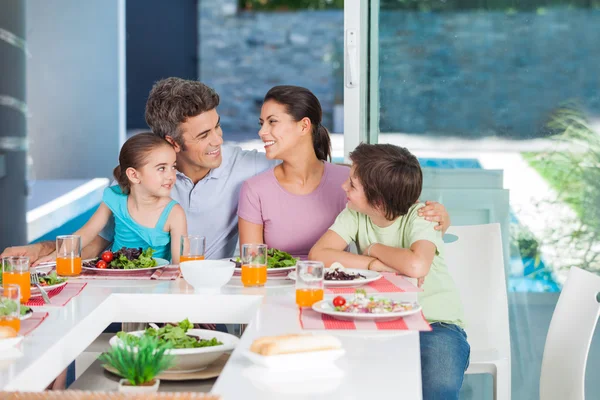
[(279, 132)]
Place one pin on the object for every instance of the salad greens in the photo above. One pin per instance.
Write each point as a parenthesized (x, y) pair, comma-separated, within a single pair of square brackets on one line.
[(173, 336), (275, 259), (132, 259), (50, 279), (8, 306)]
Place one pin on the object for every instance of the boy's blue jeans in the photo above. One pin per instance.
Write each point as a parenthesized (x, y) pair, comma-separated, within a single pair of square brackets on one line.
[(444, 359)]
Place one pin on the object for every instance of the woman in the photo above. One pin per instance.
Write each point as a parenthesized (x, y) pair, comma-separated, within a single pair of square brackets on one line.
[(290, 206)]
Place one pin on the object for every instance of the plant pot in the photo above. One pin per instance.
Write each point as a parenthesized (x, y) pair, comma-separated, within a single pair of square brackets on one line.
[(125, 387)]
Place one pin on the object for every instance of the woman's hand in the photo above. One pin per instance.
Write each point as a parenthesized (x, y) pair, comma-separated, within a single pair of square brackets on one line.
[(436, 212)]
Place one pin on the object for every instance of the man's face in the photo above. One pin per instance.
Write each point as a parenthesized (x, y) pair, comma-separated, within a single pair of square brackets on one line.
[(202, 139)]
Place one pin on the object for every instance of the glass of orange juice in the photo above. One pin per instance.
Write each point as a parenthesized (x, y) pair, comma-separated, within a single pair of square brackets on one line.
[(68, 255), (254, 264), (192, 248), (309, 282), (15, 271), (10, 311)]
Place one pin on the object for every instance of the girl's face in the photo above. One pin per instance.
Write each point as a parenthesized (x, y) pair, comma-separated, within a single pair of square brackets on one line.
[(157, 176), (355, 195), (279, 132)]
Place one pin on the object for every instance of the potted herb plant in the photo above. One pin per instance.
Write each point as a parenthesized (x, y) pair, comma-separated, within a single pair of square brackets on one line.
[(138, 361)]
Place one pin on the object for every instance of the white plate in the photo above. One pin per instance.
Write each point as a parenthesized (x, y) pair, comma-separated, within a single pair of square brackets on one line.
[(8, 343), (35, 292), (160, 263), (326, 307), (306, 360), (370, 276), (197, 359), (269, 270), (27, 315)]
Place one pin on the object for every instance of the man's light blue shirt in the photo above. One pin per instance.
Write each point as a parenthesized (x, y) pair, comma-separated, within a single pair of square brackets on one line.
[(211, 205)]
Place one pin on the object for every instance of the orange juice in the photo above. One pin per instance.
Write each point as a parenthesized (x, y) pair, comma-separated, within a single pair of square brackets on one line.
[(308, 297), (19, 278), (68, 266), (190, 258), (12, 322), (254, 276)]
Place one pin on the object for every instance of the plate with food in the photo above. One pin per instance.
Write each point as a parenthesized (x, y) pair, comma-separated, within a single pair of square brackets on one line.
[(338, 276), (26, 312), (125, 260), (360, 306), (277, 262), (194, 349), (48, 282), (295, 351)]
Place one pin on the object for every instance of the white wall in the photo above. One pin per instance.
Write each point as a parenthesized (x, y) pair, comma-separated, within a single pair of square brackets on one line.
[(76, 86)]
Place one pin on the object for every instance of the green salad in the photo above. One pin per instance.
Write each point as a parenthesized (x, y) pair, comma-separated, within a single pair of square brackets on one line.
[(8, 306), (173, 336), (275, 259)]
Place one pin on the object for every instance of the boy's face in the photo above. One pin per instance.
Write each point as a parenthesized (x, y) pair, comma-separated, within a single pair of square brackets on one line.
[(355, 195)]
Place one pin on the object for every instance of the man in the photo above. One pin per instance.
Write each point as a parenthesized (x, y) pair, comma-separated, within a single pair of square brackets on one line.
[(209, 174)]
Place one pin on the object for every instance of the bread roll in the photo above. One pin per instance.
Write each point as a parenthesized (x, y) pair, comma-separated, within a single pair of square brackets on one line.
[(258, 343), (289, 344), (7, 332)]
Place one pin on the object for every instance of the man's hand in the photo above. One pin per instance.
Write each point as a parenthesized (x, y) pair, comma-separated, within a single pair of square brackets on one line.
[(436, 212), (33, 251)]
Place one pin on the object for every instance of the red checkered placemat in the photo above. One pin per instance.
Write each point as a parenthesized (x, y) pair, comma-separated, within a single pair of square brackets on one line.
[(310, 319), (168, 273), (59, 296), (28, 325), (388, 283)]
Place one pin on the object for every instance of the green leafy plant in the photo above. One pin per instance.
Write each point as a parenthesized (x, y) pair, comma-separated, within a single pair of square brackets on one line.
[(139, 362)]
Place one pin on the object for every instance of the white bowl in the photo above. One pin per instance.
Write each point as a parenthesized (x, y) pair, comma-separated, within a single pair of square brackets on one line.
[(207, 275), (193, 360)]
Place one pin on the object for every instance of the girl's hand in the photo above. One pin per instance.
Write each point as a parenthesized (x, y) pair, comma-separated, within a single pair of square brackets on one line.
[(436, 212)]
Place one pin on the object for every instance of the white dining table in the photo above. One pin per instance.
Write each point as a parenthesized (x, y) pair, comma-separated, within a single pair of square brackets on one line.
[(377, 364)]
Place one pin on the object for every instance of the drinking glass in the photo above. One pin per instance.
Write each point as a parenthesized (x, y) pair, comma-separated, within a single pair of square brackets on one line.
[(254, 264), (309, 282), (68, 255), (192, 248), (10, 311), (15, 271)]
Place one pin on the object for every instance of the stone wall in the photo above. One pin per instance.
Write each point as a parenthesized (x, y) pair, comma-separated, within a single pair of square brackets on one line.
[(469, 73), (242, 55)]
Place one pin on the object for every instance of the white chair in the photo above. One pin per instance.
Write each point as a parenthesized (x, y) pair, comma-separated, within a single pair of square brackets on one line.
[(475, 261), (569, 337)]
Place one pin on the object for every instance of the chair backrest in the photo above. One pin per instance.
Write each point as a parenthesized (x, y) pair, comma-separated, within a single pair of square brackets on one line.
[(475, 261), (569, 337)]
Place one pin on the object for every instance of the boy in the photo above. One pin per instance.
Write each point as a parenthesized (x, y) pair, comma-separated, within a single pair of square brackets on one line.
[(382, 219)]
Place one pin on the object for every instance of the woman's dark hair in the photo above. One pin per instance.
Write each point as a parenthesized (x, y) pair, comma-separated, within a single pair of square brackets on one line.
[(301, 103), (134, 154), (391, 177)]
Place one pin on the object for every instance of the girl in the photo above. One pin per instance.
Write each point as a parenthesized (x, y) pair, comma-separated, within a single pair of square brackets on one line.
[(144, 214), (382, 218)]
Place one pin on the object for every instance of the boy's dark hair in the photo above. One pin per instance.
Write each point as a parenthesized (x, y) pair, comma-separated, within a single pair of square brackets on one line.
[(172, 101), (390, 175), (300, 102), (134, 154)]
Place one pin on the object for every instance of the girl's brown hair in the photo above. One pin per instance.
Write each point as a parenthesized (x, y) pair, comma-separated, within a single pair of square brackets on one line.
[(300, 103), (134, 154)]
